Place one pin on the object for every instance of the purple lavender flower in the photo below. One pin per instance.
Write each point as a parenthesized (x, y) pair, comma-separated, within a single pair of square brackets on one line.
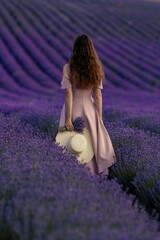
[(78, 124)]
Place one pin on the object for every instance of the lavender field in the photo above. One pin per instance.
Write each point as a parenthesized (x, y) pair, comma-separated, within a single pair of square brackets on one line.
[(48, 194)]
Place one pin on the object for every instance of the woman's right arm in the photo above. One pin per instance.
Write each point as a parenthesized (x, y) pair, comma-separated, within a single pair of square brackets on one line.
[(68, 109), (97, 96)]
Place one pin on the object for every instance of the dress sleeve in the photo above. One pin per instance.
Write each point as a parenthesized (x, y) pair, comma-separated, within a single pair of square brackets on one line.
[(65, 83)]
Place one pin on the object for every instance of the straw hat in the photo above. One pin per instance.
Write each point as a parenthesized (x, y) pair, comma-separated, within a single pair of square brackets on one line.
[(79, 144)]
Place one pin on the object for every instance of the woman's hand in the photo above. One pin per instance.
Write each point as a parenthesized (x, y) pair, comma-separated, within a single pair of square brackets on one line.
[(69, 125)]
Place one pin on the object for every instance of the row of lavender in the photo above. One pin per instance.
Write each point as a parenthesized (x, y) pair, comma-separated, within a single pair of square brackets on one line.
[(138, 166), (130, 57), (45, 194), (138, 143), (137, 122), (113, 57)]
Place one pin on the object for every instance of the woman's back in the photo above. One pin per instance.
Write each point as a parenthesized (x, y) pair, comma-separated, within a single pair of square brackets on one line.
[(76, 91), (83, 105)]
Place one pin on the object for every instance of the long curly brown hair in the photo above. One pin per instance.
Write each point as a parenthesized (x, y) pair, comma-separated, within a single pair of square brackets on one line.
[(85, 67)]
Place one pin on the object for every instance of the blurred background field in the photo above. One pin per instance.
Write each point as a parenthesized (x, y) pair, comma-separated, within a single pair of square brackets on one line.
[(36, 40)]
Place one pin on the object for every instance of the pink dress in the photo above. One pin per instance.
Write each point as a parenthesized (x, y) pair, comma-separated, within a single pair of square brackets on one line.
[(84, 105)]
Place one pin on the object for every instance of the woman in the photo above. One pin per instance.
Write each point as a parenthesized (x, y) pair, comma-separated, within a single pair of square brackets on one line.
[(82, 76)]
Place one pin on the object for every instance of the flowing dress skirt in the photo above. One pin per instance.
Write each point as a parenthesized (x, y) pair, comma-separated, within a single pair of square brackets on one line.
[(84, 106)]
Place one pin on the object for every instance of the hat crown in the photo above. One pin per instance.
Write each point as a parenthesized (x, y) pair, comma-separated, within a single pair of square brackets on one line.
[(78, 143)]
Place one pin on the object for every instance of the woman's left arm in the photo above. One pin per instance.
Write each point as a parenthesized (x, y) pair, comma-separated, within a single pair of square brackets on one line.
[(68, 108)]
